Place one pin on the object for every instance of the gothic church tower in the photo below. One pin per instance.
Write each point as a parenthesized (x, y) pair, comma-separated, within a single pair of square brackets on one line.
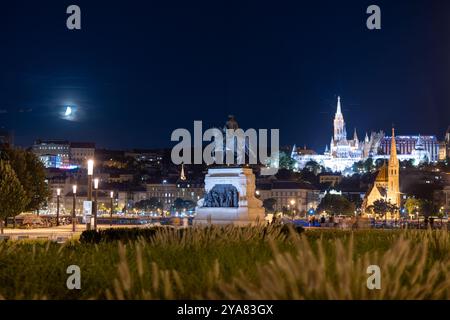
[(339, 124), (393, 187)]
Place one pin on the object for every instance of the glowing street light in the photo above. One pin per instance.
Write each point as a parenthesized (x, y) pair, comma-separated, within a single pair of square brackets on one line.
[(74, 191), (90, 172), (95, 202), (112, 205), (90, 163), (58, 194)]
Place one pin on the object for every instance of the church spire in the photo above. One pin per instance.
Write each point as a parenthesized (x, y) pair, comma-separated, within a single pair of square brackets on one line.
[(355, 139), (182, 176), (393, 156), (355, 136), (393, 188), (338, 110), (339, 132)]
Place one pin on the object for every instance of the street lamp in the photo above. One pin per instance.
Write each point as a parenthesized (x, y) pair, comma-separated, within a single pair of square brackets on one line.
[(112, 204), (417, 214), (58, 194), (74, 191), (90, 172), (95, 202)]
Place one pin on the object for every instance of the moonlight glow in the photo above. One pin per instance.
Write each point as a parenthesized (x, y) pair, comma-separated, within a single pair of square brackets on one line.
[(68, 111)]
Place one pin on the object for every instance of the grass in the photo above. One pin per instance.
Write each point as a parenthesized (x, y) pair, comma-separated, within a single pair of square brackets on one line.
[(234, 263)]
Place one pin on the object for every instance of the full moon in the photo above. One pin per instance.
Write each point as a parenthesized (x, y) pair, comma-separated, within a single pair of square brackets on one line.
[(68, 111)]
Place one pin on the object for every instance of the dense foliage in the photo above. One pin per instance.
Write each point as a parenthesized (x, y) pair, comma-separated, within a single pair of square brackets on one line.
[(31, 174), (336, 204), (13, 198)]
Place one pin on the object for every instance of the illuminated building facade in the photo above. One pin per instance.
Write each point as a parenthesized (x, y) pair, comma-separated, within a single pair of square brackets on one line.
[(419, 147), (291, 195), (343, 153), (44, 149), (80, 152)]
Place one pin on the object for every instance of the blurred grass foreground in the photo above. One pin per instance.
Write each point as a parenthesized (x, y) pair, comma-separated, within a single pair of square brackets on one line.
[(232, 263)]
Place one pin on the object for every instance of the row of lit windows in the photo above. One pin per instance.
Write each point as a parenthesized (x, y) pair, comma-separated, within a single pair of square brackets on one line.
[(287, 193), (52, 148), (168, 194)]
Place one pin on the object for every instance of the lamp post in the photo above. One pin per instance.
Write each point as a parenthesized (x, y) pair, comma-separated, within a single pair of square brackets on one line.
[(94, 207), (90, 172), (58, 194), (112, 205), (74, 190), (417, 214)]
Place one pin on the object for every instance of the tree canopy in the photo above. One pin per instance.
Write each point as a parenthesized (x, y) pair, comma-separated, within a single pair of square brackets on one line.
[(336, 204), (180, 204), (381, 207), (13, 198), (149, 204), (31, 173), (269, 204)]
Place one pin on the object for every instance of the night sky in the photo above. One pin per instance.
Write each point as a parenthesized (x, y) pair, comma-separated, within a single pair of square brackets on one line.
[(137, 70)]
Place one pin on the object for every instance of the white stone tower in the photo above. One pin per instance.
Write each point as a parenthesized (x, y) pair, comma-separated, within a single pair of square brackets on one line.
[(339, 124)]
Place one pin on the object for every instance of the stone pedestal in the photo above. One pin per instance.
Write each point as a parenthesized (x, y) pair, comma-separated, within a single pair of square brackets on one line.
[(249, 209)]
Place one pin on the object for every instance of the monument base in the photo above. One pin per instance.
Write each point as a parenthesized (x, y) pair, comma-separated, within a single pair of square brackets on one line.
[(248, 211), (234, 216)]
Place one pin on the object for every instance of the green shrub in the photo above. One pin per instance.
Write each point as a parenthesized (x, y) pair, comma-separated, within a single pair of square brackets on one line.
[(117, 234)]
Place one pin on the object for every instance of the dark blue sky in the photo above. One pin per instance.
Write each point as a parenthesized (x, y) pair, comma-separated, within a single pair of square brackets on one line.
[(139, 69)]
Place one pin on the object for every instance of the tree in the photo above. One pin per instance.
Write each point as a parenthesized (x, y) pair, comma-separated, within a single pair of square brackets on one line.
[(13, 198), (429, 208), (286, 161), (381, 207), (358, 166), (149, 204), (180, 204), (314, 167), (407, 164), (336, 204), (31, 173), (269, 204), (413, 205)]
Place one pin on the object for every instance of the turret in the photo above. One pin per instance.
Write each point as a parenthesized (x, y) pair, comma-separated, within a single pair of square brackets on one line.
[(294, 151), (355, 139), (339, 125)]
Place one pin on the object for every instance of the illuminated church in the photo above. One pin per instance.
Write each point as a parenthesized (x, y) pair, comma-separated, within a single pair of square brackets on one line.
[(340, 147), (387, 183), (342, 153)]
